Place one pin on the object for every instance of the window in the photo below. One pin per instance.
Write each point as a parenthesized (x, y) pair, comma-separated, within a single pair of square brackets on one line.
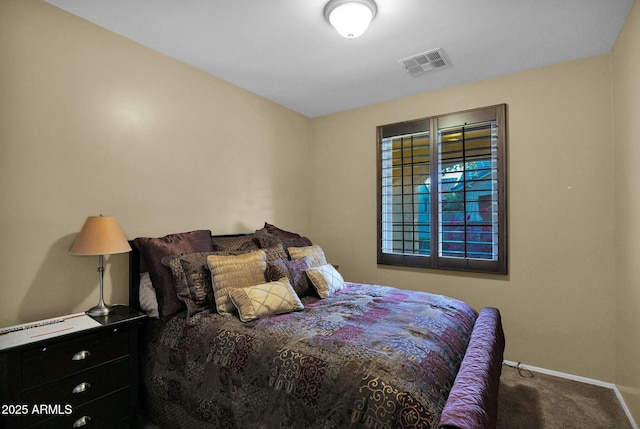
[(442, 192)]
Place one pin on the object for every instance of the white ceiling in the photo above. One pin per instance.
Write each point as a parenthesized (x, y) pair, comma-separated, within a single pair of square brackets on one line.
[(285, 51)]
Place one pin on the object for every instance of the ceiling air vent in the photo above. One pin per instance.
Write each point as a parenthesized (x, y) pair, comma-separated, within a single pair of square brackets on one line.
[(422, 63)]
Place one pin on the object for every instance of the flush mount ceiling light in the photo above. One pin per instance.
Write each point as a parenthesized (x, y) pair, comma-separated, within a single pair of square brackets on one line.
[(350, 18)]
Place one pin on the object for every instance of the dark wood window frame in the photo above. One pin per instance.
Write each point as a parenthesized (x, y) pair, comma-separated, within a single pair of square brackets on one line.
[(414, 222)]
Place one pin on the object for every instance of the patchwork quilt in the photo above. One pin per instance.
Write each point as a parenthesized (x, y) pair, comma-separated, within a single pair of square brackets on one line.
[(367, 356)]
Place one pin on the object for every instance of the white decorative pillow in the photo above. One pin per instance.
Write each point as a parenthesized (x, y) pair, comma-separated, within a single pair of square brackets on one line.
[(314, 254), (326, 279), (254, 302), (147, 296), (235, 271)]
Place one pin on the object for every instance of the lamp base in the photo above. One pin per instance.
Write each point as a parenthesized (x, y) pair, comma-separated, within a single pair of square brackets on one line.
[(100, 310)]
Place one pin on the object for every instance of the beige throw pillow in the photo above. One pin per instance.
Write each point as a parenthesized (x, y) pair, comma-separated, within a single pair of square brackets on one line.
[(326, 279), (254, 302), (232, 272), (314, 254)]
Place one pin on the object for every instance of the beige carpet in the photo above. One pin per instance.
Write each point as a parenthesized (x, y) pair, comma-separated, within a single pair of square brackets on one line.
[(538, 401)]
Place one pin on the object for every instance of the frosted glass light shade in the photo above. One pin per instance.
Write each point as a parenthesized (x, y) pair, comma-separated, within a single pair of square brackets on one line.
[(350, 18)]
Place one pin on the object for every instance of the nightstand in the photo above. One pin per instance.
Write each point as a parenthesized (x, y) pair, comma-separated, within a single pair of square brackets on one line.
[(75, 379)]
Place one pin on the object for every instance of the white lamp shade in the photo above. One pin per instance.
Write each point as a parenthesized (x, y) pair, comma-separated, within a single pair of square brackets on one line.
[(100, 235), (350, 18)]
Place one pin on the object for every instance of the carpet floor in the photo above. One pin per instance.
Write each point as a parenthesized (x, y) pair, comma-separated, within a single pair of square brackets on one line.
[(530, 400)]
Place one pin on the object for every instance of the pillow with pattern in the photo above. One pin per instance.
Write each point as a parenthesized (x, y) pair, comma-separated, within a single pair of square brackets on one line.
[(281, 233), (232, 272), (314, 254), (326, 279), (192, 281), (266, 240), (233, 243), (294, 270), (275, 252), (254, 302)]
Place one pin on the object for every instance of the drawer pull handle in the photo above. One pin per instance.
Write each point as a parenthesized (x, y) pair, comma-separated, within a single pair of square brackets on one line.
[(82, 421), (82, 387), (81, 355)]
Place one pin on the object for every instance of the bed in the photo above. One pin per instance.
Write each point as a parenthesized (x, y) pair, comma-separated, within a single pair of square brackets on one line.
[(260, 331)]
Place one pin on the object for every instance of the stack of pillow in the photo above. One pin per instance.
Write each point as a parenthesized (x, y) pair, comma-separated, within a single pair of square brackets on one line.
[(255, 275)]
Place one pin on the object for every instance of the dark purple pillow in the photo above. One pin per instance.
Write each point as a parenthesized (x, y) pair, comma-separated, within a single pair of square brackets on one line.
[(281, 233), (294, 271), (267, 239), (232, 243), (192, 280), (154, 249)]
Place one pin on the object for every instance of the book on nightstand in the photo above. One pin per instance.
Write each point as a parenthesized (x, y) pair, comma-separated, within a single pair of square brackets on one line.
[(26, 333)]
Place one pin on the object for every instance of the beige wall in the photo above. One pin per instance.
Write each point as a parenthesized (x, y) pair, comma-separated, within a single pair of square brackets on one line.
[(626, 109), (93, 123), (558, 301)]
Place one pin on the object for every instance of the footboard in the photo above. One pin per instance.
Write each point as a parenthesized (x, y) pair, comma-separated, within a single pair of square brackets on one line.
[(473, 401)]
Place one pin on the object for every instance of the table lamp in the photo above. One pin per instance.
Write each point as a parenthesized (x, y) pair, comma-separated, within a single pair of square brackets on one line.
[(100, 235)]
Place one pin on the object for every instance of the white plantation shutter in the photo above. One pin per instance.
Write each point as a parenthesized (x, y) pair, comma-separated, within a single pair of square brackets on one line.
[(460, 223)]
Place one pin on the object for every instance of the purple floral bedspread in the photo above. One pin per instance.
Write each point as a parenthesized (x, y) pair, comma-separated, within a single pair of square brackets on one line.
[(366, 357)]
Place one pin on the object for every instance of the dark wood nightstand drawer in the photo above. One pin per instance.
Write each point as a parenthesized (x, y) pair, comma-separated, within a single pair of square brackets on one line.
[(80, 388), (68, 357), (108, 412)]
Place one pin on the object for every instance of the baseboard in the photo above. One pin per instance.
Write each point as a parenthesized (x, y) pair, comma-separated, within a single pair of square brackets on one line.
[(582, 380)]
